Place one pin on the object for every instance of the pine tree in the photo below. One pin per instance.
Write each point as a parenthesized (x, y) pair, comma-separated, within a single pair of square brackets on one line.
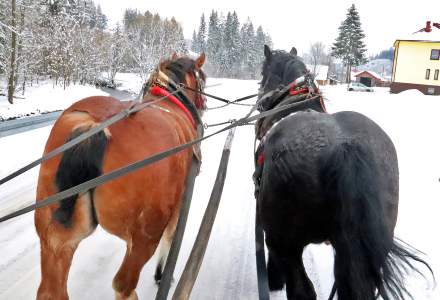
[(349, 45), (201, 35), (234, 50), (248, 52), (101, 19), (224, 59), (230, 50), (261, 39), (194, 44), (214, 42)]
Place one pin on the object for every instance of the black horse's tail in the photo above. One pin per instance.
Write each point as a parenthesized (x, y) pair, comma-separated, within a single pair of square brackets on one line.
[(367, 258), (78, 164)]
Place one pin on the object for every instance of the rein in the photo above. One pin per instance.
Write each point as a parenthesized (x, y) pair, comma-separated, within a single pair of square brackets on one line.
[(121, 115), (112, 120), (226, 101), (139, 164)]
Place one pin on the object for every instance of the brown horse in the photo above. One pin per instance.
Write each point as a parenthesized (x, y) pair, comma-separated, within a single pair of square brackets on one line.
[(142, 207)]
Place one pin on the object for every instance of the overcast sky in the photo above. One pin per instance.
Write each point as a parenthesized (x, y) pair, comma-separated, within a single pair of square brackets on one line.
[(296, 23)]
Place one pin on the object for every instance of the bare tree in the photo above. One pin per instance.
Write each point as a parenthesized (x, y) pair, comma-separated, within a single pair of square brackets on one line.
[(12, 75), (151, 38), (115, 52), (317, 56)]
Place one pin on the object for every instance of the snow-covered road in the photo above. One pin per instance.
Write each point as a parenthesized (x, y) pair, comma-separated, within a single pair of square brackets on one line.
[(228, 270)]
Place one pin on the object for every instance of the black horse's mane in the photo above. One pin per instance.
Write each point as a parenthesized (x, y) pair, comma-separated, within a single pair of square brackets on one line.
[(284, 66)]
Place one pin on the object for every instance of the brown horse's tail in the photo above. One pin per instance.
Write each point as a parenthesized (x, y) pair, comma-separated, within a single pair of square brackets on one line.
[(79, 164)]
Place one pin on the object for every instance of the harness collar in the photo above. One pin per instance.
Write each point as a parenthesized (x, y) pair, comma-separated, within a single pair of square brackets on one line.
[(303, 89), (160, 84), (159, 78), (159, 91), (300, 89)]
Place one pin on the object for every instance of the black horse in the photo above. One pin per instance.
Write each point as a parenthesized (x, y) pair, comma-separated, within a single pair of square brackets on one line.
[(326, 177)]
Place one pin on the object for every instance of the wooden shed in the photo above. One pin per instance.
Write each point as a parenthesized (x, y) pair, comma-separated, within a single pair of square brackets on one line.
[(370, 78)]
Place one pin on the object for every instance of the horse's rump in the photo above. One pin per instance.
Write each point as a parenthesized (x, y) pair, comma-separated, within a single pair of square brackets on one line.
[(142, 134)]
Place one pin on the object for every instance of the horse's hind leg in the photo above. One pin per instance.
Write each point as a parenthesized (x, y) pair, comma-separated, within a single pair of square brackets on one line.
[(298, 284), (165, 245), (58, 244), (139, 250), (164, 248), (275, 272)]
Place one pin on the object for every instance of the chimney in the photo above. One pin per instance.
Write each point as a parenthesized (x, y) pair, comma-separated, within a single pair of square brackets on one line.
[(428, 26)]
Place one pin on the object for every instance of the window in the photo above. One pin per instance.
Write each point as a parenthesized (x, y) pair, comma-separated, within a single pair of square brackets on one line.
[(436, 74), (427, 74), (435, 54)]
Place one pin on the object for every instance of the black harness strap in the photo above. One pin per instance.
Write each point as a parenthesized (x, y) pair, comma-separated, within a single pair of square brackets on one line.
[(137, 165), (194, 262), (170, 265), (260, 257), (223, 99), (121, 115)]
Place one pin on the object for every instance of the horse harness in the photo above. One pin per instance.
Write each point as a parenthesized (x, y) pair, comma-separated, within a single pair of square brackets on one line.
[(302, 89), (160, 80), (160, 84)]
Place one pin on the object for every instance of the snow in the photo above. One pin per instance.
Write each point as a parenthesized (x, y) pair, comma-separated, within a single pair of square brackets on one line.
[(129, 82), (228, 270), (48, 97), (433, 36), (321, 71), (45, 98)]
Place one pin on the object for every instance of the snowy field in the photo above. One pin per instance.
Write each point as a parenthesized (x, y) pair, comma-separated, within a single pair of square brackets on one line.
[(47, 97), (228, 271)]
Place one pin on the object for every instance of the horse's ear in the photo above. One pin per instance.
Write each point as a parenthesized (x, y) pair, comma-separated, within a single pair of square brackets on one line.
[(267, 52), (174, 56), (200, 61), (293, 51)]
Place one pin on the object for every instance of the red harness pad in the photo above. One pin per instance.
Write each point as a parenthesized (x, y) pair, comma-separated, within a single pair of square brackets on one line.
[(158, 91), (260, 159)]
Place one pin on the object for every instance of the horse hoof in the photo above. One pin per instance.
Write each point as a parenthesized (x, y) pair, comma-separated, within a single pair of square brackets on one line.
[(159, 280), (133, 296)]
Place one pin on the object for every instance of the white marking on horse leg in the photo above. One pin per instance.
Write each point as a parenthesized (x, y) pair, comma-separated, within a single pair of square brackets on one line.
[(133, 296), (164, 249)]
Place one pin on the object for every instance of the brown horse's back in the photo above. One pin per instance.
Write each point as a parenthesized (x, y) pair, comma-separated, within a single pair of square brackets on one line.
[(141, 207), (136, 207), (143, 134)]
